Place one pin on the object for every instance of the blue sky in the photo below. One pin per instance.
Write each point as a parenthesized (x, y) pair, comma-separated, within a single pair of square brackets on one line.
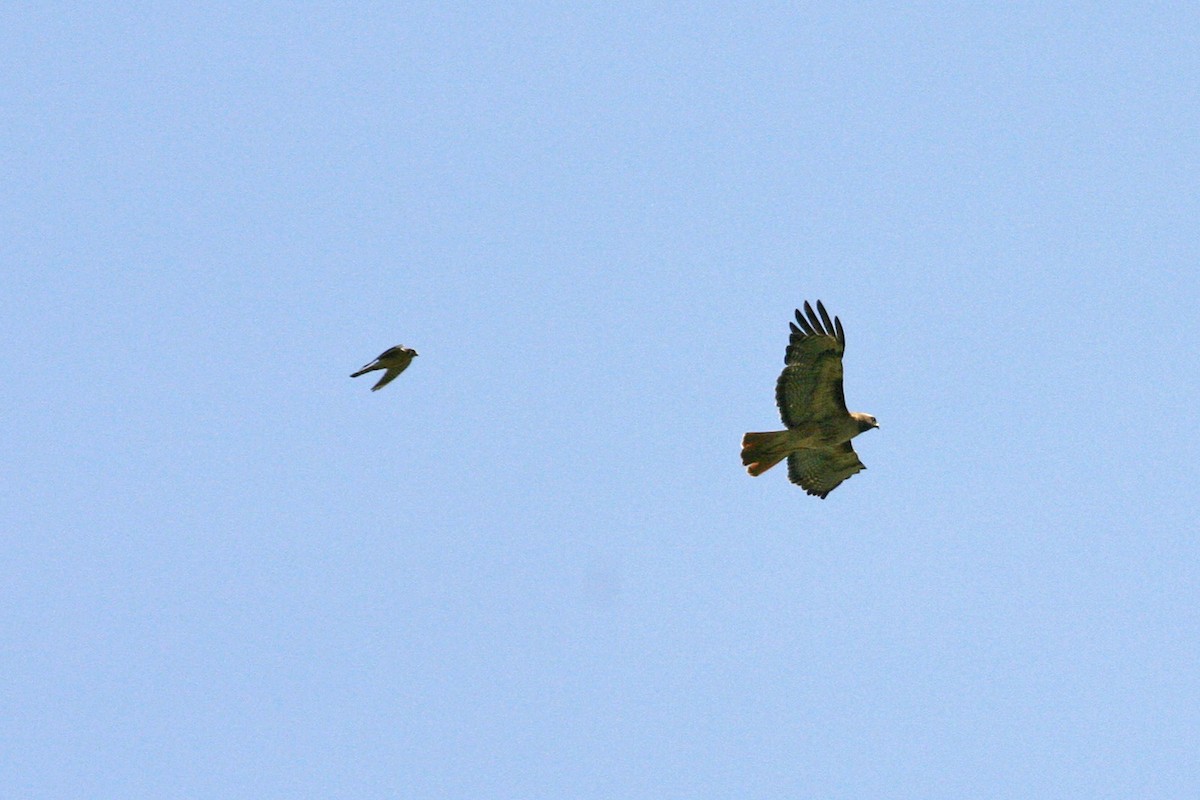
[(533, 566)]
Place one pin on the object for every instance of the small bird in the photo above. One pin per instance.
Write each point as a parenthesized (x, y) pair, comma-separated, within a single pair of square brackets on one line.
[(395, 360)]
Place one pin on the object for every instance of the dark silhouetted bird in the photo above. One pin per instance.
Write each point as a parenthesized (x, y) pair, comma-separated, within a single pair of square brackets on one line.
[(395, 360)]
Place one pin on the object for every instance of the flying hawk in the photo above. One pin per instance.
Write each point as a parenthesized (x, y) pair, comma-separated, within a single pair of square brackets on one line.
[(395, 360), (809, 395)]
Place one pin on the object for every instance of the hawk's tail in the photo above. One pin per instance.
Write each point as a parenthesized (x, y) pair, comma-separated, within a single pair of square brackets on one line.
[(761, 451)]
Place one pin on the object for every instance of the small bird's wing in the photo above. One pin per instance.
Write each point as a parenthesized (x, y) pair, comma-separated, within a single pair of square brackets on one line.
[(820, 470), (810, 386), (399, 351), (388, 377)]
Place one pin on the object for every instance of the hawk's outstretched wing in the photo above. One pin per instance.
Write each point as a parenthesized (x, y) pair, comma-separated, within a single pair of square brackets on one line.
[(820, 470), (810, 386)]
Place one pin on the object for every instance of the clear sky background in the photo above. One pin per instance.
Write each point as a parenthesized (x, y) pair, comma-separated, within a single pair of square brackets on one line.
[(533, 566)]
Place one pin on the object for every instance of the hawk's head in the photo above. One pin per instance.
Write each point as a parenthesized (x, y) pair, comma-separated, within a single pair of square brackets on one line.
[(865, 421)]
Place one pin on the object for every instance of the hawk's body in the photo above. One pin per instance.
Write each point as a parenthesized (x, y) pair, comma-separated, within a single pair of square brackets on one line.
[(395, 360), (809, 394)]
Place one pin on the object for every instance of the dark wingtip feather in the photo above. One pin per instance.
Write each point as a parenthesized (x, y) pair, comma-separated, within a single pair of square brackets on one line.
[(841, 334), (807, 328), (813, 318), (825, 318)]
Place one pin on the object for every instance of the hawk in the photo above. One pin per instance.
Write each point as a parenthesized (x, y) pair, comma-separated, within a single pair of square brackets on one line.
[(816, 443), (395, 360)]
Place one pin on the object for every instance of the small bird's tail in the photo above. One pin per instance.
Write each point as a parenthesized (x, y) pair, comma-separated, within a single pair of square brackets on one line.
[(364, 370), (761, 451)]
